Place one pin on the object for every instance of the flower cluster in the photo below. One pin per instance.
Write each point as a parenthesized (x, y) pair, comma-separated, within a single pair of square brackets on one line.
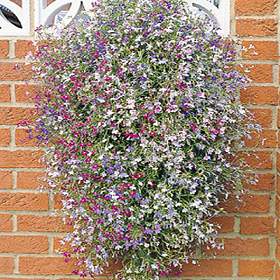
[(139, 112)]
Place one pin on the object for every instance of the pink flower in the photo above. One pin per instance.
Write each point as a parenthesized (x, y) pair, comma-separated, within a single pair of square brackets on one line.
[(96, 54), (133, 194), (65, 97), (149, 117), (132, 136), (137, 175), (84, 200), (194, 127), (215, 131), (181, 86), (95, 166), (108, 79)]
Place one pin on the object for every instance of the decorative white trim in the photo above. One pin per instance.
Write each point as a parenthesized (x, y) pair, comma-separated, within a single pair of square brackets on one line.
[(45, 13), (22, 13), (219, 10), (221, 13)]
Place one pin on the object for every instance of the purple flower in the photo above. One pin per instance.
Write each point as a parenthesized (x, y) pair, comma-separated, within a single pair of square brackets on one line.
[(157, 228)]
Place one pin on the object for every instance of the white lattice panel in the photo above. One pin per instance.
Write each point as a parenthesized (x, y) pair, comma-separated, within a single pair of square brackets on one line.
[(64, 11), (215, 2), (67, 10), (219, 10), (18, 14)]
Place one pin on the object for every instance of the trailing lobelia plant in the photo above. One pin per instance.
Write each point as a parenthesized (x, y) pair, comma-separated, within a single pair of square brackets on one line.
[(139, 110)]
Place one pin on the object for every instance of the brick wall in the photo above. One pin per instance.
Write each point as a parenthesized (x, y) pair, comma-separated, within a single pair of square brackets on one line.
[(29, 234)]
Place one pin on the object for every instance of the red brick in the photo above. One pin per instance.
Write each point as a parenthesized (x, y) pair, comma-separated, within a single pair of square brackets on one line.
[(5, 93), (263, 117), (6, 181), (30, 180), (278, 185), (263, 50), (244, 247), (277, 250), (4, 49), (15, 71), (250, 203), (264, 139), (6, 265), (41, 224), (13, 116), (226, 223), (256, 268), (20, 159), (265, 182), (258, 159), (54, 266), (5, 137), (277, 272), (256, 27), (60, 248), (57, 202), (277, 206), (260, 96), (26, 93), (259, 73), (278, 118), (256, 225), (76, 278), (23, 138), (23, 202), (278, 162), (255, 7), (24, 278), (215, 268), (23, 244), (44, 266), (23, 48), (6, 224)]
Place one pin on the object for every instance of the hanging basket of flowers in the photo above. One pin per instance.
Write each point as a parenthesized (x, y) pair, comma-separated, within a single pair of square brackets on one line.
[(139, 112)]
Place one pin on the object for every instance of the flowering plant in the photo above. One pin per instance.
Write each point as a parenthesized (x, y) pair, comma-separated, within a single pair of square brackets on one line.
[(139, 110)]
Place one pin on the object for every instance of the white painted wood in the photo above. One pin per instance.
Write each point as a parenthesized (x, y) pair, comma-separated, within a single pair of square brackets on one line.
[(23, 14)]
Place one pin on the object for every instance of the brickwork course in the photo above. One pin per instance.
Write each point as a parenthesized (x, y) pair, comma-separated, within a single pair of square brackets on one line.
[(30, 233)]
